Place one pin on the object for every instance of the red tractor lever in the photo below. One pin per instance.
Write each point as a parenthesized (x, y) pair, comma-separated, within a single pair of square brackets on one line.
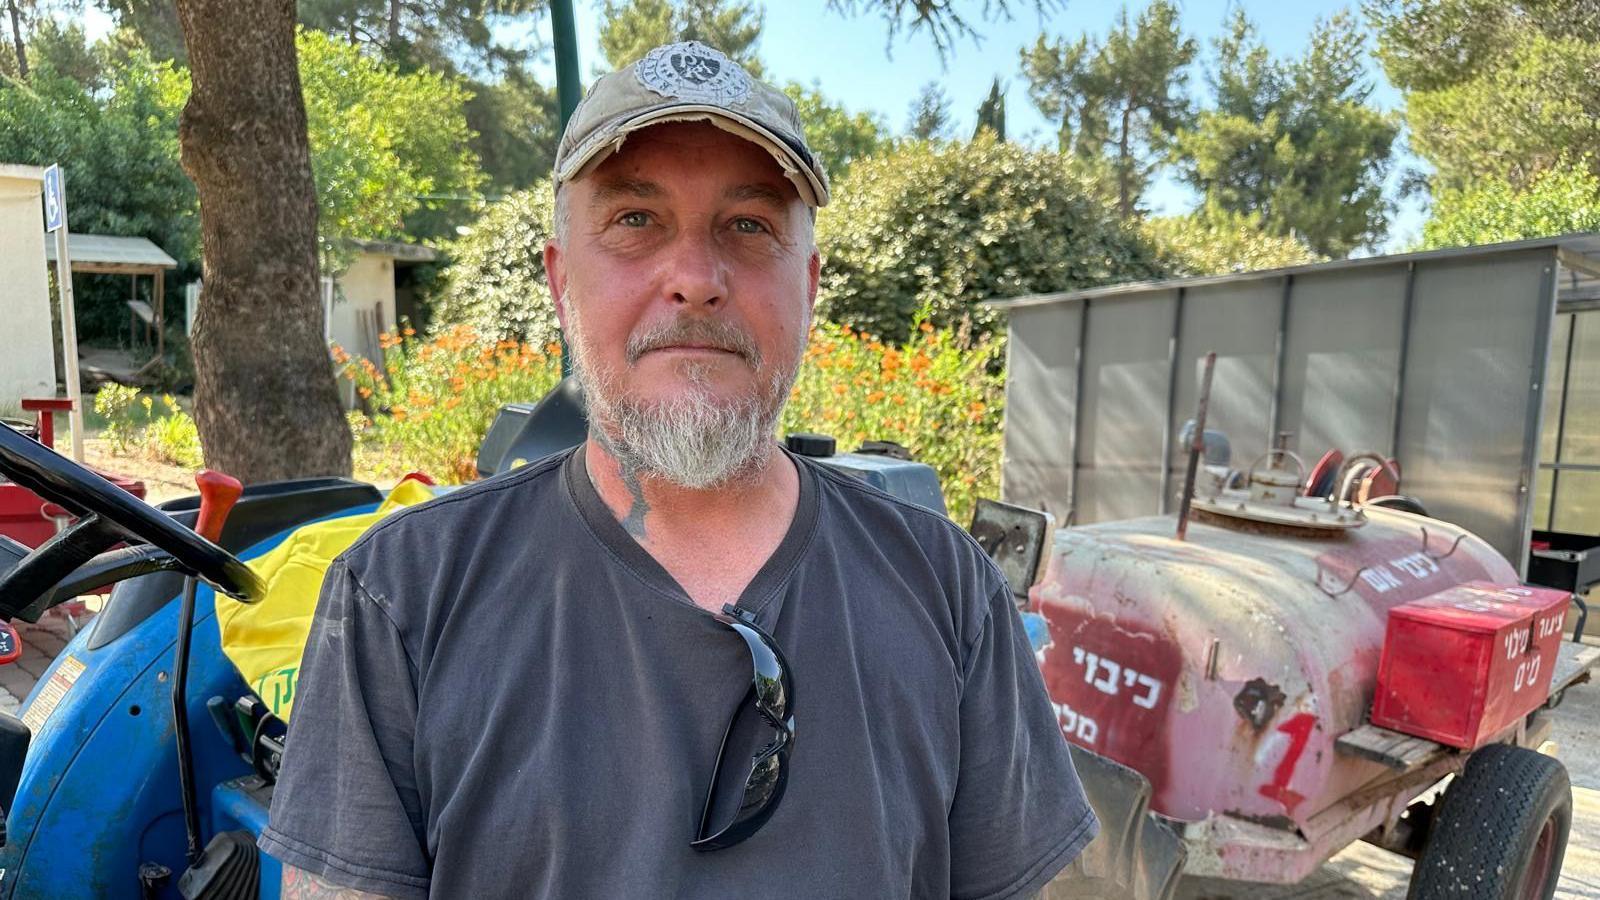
[(218, 494)]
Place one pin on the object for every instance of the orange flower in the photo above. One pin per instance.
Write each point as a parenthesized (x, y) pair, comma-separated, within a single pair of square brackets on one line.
[(364, 391), (876, 396), (926, 327), (398, 413), (409, 331), (839, 389)]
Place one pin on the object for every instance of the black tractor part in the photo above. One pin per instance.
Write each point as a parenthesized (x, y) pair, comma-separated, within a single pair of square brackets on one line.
[(230, 869), (524, 432), (1136, 856), (1501, 830)]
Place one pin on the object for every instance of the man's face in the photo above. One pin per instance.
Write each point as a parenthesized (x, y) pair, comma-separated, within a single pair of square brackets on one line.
[(686, 276)]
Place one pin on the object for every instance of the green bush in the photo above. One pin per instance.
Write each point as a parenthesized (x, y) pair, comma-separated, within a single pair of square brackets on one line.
[(432, 401), (496, 284), (1218, 242), (1560, 200), (941, 226), (935, 395), (137, 424), (171, 437), (118, 405)]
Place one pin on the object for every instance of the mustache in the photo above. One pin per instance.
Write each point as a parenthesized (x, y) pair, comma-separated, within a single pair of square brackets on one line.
[(682, 330)]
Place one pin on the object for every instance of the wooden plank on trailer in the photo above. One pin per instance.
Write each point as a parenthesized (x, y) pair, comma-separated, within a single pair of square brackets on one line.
[(1573, 662), (1401, 752)]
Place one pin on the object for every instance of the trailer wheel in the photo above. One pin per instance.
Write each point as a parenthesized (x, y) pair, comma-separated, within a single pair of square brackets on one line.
[(1501, 831)]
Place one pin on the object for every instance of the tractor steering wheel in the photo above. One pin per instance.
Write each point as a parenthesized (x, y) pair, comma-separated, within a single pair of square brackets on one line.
[(107, 515)]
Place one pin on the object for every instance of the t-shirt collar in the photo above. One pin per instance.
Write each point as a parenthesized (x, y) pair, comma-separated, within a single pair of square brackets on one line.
[(769, 580)]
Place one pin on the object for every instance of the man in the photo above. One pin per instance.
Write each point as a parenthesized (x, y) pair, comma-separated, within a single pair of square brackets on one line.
[(522, 689)]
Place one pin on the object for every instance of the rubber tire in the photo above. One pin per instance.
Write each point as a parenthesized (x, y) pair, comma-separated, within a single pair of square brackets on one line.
[(1483, 837)]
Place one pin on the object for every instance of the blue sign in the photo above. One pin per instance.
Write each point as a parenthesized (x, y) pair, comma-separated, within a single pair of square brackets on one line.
[(55, 200)]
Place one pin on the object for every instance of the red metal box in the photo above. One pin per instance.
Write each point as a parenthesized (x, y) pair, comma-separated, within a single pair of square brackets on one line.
[(1461, 665)]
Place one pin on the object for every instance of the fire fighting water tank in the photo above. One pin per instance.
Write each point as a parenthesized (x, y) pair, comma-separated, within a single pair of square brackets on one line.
[(1223, 667)]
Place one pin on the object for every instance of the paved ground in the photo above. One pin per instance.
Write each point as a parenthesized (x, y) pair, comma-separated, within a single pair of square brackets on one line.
[(40, 644)]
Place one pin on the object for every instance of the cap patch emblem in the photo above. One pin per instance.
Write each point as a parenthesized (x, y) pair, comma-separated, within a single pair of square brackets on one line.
[(694, 72)]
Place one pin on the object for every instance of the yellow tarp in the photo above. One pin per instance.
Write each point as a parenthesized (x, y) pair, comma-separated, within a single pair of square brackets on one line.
[(265, 639)]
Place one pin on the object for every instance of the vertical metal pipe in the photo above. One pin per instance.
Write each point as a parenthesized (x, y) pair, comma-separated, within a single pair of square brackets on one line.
[(1196, 447), (69, 341), (180, 723), (1172, 400), (1561, 420), (1077, 409), (1279, 361), (564, 33), (1406, 305), (569, 89)]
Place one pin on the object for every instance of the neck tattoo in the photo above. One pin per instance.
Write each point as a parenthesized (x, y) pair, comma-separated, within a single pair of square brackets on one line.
[(633, 522)]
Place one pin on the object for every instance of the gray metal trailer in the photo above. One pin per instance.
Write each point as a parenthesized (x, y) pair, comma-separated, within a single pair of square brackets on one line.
[(1477, 368)]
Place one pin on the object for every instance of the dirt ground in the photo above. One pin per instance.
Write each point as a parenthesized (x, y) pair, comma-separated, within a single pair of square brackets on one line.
[(161, 481)]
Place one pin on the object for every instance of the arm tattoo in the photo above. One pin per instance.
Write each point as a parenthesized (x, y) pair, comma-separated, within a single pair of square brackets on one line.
[(298, 884)]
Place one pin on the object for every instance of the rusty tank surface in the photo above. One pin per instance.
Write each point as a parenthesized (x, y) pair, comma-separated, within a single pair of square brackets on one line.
[(1223, 667)]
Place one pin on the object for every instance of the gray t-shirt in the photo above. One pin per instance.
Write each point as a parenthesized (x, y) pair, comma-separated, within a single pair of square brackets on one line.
[(504, 695)]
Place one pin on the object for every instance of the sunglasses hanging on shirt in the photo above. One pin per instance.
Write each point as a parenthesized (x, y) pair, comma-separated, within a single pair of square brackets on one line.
[(771, 697)]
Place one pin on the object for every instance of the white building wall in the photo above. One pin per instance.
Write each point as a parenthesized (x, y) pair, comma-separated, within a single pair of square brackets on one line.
[(363, 306), (365, 294), (27, 353)]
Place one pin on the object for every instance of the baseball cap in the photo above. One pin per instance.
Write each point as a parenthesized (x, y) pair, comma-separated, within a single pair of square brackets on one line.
[(686, 82)]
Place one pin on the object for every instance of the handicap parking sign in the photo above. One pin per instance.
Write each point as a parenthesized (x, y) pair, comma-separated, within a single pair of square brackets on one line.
[(55, 200)]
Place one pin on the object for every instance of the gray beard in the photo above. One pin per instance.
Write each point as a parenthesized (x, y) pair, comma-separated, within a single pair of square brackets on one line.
[(693, 440)]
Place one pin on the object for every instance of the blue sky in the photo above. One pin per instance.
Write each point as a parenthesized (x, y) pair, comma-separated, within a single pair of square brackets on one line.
[(846, 57)]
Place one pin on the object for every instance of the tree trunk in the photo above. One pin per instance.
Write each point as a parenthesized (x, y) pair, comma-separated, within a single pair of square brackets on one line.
[(1125, 165), (394, 28), (16, 37), (265, 399)]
